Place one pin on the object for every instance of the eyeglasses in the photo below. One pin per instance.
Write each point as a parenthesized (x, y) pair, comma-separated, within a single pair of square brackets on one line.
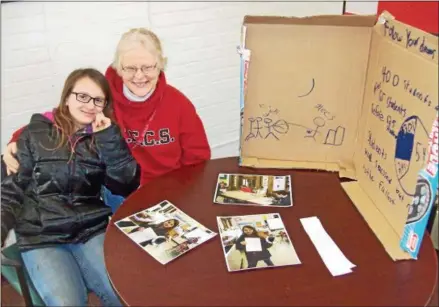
[(84, 98), (130, 71)]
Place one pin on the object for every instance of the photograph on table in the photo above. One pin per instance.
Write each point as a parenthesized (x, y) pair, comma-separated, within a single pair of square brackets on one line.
[(256, 241), (253, 190), (164, 231)]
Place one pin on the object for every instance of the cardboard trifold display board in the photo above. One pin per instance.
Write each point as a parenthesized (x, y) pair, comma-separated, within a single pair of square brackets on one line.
[(352, 94)]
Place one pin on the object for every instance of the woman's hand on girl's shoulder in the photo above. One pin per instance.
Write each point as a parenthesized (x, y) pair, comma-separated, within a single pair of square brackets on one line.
[(10, 159)]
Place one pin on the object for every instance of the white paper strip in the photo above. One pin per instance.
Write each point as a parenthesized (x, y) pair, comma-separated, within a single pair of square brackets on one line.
[(334, 259)]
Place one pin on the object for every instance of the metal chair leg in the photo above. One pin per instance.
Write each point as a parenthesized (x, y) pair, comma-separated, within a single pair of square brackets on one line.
[(21, 278), (24, 287)]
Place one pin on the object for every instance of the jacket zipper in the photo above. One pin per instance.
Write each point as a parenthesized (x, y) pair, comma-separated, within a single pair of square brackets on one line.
[(71, 173), (72, 169)]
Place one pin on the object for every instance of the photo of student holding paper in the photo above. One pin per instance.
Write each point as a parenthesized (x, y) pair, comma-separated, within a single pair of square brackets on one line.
[(256, 241), (255, 246), (164, 231)]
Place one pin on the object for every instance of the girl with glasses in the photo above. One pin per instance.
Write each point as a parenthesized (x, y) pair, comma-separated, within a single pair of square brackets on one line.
[(53, 201)]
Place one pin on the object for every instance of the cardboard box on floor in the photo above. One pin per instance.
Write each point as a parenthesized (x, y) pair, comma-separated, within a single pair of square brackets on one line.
[(351, 94)]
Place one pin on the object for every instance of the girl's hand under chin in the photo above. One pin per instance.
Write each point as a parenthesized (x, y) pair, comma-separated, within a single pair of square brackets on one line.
[(101, 122)]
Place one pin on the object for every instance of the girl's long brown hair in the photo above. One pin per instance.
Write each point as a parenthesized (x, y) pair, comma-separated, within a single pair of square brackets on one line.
[(62, 118), (254, 234)]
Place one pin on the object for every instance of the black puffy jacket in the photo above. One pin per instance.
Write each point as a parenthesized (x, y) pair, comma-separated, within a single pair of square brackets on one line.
[(52, 200)]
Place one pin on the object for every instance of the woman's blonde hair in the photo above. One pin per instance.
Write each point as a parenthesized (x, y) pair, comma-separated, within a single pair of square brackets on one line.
[(139, 37)]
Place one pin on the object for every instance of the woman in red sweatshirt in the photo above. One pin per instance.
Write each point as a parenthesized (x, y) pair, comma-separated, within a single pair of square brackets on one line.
[(159, 123)]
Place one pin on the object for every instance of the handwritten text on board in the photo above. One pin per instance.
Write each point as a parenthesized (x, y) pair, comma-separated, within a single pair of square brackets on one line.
[(406, 129), (409, 39)]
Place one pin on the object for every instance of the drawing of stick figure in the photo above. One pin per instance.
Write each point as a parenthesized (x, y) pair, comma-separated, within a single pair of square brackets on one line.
[(319, 122), (255, 125), (268, 122), (278, 127)]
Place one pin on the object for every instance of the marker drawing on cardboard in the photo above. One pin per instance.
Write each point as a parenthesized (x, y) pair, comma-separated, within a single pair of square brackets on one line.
[(253, 190), (368, 115), (256, 241), (399, 111), (164, 231), (318, 108), (264, 127), (312, 88), (272, 125)]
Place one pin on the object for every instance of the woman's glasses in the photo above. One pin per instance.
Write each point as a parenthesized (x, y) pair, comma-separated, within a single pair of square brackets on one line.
[(84, 98), (131, 71)]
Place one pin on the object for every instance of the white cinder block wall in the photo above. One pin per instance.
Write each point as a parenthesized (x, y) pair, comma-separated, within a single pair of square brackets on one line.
[(362, 7), (42, 42)]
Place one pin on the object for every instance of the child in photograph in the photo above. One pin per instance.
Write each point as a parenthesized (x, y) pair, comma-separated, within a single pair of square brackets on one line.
[(254, 257)]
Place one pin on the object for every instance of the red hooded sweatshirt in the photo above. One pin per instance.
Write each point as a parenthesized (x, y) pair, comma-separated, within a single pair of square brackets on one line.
[(163, 133)]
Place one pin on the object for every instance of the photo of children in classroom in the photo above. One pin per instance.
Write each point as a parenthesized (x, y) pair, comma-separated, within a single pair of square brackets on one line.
[(253, 190), (164, 231), (256, 241)]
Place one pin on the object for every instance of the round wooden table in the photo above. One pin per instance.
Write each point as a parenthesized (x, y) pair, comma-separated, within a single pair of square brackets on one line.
[(200, 277)]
